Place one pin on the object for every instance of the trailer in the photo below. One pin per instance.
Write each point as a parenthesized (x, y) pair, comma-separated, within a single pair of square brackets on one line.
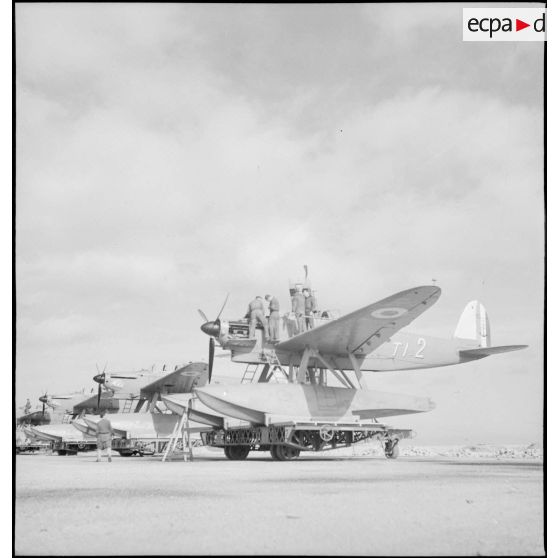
[(128, 447), (285, 441), (31, 447), (72, 447)]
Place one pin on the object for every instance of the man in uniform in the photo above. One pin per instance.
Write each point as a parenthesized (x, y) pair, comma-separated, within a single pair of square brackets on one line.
[(256, 313), (273, 318), (309, 308), (104, 436), (298, 308)]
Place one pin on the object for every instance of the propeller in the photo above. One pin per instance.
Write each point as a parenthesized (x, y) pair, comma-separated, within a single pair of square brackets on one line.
[(210, 358), (213, 329), (100, 378)]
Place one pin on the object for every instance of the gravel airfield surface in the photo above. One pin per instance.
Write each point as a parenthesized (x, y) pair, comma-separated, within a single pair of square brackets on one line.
[(327, 504)]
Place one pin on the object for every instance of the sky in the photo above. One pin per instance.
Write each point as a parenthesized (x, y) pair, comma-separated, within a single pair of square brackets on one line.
[(169, 154)]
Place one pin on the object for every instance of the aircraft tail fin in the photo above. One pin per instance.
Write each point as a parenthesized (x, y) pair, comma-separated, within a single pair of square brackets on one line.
[(473, 324)]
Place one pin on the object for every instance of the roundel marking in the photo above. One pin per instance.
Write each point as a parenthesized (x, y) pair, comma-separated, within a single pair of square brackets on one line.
[(386, 313)]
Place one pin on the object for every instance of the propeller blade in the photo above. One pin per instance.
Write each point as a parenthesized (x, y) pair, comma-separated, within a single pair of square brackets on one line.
[(202, 314), (99, 393), (222, 307), (211, 357)]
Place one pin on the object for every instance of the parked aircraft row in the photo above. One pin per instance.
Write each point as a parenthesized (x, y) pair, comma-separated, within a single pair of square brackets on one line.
[(315, 377)]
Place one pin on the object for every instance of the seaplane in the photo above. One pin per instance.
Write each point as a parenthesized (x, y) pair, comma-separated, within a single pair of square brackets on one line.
[(58, 405), (370, 339), (147, 386), (147, 425), (54, 425)]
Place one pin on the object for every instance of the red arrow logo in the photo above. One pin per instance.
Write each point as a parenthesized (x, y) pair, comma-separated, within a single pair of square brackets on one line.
[(519, 25)]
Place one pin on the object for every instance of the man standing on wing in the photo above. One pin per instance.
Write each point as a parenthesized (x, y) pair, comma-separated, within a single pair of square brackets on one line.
[(309, 308), (273, 318), (298, 308), (256, 314)]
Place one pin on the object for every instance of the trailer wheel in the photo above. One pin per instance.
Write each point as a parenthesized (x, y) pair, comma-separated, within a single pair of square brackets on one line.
[(326, 433), (125, 453), (392, 450), (273, 452), (61, 452), (286, 453), (237, 453)]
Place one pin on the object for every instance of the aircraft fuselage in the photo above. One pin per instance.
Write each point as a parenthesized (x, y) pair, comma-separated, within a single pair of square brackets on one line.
[(403, 351)]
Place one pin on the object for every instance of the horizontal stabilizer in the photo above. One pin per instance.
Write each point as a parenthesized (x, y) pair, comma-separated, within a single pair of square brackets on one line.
[(487, 351)]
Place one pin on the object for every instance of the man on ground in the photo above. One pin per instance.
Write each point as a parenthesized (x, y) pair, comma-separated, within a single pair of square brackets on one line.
[(104, 436)]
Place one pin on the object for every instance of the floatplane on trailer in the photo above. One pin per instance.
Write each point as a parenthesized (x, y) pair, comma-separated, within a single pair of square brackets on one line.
[(304, 412)]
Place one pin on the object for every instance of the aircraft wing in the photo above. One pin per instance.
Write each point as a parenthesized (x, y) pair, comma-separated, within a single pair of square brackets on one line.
[(366, 329), (182, 380)]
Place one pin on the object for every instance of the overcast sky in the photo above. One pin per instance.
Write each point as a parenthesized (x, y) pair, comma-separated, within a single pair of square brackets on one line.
[(168, 154)]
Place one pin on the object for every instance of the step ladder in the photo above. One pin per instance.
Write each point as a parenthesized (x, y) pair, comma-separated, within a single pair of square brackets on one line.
[(249, 373), (275, 364), (128, 405), (181, 432)]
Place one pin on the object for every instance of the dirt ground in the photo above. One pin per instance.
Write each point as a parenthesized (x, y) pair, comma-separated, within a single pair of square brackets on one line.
[(328, 504)]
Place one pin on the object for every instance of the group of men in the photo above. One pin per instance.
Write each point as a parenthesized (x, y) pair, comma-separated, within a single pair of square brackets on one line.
[(303, 306)]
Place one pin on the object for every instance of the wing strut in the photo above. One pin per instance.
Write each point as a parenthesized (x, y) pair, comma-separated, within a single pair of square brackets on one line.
[(358, 372), (342, 372), (301, 377), (152, 402), (328, 363)]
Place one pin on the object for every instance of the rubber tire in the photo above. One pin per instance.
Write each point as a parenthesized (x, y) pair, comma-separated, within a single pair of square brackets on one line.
[(125, 453), (286, 453), (61, 452), (393, 453), (273, 452), (237, 453)]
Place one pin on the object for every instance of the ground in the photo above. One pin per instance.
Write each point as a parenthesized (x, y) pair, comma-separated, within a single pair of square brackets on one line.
[(331, 503)]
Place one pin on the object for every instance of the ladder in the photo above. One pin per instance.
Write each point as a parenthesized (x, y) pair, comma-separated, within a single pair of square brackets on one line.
[(181, 431), (274, 363), (127, 405), (249, 373)]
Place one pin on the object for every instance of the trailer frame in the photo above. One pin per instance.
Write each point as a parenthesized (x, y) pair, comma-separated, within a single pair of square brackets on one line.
[(72, 447), (285, 440)]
